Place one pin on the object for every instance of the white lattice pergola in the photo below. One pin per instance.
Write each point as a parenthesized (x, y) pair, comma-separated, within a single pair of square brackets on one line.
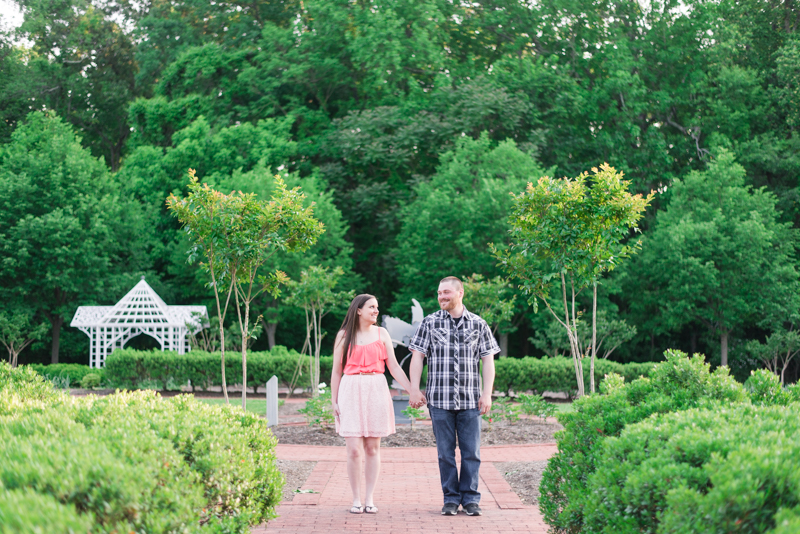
[(141, 311)]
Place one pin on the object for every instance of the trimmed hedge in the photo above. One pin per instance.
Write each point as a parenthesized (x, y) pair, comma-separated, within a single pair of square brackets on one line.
[(130, 462), (557, 374), (135, 369), (66, 374), (724, 469), (679, 383)]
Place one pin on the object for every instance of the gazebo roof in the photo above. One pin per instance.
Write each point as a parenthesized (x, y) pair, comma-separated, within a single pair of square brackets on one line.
[(141, 306)]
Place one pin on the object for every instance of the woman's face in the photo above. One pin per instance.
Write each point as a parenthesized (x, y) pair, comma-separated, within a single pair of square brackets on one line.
[(369, 311)]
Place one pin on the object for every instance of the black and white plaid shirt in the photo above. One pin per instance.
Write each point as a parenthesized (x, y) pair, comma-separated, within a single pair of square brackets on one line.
[(453, 352)]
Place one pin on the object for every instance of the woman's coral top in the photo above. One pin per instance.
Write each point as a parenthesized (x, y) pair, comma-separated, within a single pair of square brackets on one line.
[(366, 358)]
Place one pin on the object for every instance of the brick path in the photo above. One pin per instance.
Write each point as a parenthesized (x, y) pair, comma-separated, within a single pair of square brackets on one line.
[(409, 496)]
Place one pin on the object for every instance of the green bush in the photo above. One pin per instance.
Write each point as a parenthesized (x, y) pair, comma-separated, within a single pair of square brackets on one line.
[(133, 461), (135, 369), (679, 383), (764, 388), (91, 380), (66, 374), (729, 468), (35, 513), (556, 374)]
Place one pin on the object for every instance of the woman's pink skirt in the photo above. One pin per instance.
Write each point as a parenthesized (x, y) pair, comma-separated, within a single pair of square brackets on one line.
[(365, 407)]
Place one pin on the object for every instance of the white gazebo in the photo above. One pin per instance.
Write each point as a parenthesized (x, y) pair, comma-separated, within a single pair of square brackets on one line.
[(141, 311)]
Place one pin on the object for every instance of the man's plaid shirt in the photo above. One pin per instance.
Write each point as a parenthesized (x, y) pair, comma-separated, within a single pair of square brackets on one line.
[(454, 381)]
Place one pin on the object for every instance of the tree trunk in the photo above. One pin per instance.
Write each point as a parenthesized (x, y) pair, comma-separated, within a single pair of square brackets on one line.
[(56, 321), (503, 345), (723, 348), (271, 329), (594, 338)]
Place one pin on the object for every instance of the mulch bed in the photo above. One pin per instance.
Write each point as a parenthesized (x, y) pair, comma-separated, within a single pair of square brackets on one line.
[(500, 433)]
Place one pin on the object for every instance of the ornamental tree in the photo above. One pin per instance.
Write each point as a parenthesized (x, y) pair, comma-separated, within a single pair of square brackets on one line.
[(565, 233), (238, 234)]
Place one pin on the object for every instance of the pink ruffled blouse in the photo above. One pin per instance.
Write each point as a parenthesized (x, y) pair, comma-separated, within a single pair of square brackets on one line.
[(366, 358)]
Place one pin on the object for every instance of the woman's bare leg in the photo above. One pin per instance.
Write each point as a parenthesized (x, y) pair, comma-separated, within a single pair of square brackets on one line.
[(355, 453), (372, 448)]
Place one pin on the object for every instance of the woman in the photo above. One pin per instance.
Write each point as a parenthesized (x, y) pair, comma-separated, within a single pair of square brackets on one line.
[(362, 404)]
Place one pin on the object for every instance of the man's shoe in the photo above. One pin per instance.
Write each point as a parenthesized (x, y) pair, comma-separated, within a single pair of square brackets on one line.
[(450, 508), (472, 508)]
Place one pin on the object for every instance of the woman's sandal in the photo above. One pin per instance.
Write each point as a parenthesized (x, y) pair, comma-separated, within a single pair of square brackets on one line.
[(371, 509), (356, 509)]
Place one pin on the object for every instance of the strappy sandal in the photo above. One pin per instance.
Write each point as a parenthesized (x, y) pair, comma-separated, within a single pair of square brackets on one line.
[(371, 509), (356, 509)]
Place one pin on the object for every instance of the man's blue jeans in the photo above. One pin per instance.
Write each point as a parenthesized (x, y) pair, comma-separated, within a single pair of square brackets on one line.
[(466, 425)]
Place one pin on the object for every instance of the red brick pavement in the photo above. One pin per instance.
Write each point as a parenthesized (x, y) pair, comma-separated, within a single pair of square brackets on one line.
[(409, 496)]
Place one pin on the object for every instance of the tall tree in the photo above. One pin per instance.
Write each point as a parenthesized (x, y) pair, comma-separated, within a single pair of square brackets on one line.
[(447, 228), (719, 254), (65, 232)]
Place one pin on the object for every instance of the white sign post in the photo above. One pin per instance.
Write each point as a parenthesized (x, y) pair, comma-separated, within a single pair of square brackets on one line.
[(272, 401)]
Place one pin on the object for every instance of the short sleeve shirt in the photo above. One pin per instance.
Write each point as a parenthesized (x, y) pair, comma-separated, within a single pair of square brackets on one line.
[(454, 352)]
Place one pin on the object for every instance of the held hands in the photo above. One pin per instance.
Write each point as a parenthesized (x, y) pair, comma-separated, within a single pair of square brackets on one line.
[(416, 399), (335, 409), (485, 404)]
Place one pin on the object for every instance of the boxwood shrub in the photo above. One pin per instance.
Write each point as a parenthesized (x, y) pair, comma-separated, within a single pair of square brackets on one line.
[(131, 462), (679, 383), (726, 468)]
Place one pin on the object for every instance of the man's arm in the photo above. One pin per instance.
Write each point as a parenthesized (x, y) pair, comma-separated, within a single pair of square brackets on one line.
[(416, 398), (485, 402)]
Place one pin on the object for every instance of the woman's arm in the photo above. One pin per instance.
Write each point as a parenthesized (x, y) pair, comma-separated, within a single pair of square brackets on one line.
[(336, 372), (391, 362)]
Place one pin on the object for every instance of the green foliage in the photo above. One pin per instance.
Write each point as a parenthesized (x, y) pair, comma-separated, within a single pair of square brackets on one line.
[(719, 255), (318, 411), (314, 294), (66, 374), (554, 374), (564, 235), (679, 383), (17, 331), (66, 230), (91, 380), (536, 405), (27, 511), (725, 468), (765, 389), (132, 461), (504, 408), (462, 208), (492, 299), (132, 369)]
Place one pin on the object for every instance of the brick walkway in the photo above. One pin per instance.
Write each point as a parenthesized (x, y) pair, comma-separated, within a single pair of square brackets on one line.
[(409, 496)]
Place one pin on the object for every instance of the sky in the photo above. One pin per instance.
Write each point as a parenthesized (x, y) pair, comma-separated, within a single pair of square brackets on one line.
[(10, 15)]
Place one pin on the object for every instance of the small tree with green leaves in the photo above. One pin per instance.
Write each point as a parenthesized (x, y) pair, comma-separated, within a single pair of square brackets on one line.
[(242, 235), (492, 299), (18, 330), (314, 292), (777, 351), (570, 231)]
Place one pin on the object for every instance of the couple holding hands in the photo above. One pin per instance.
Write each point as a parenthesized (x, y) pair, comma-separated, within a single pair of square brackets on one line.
[(454, 341)]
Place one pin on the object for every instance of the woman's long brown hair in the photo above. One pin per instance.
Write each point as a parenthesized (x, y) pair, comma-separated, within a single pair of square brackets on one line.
[(350, 323)]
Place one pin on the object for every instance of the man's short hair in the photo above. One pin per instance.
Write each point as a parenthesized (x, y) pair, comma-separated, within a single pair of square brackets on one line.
[(454, 280)]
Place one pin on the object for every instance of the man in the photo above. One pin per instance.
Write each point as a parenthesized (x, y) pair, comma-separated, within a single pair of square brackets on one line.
[(455, 341)]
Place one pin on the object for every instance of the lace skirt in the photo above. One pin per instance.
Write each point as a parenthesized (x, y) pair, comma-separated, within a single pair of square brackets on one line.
[(365, 407)]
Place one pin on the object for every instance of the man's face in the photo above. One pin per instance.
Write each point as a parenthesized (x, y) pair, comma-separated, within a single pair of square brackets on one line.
[(450, 296)]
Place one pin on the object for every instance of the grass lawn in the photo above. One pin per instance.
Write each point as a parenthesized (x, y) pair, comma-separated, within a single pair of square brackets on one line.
[(255, 405), (563, 407)]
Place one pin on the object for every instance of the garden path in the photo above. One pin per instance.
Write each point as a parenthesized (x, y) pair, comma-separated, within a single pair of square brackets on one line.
[(408, 495)]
